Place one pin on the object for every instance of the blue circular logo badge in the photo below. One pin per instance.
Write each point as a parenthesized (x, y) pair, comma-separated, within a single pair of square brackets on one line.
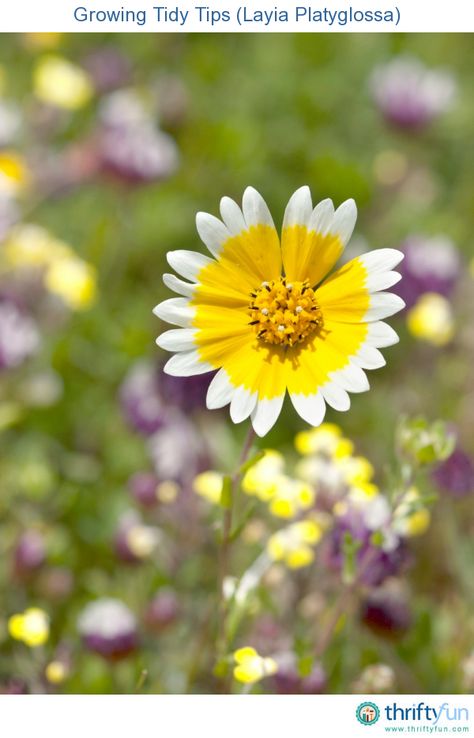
[(367, 713)]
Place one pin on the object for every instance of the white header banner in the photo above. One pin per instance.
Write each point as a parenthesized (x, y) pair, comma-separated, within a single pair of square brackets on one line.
[(348, 716), (190, 16)]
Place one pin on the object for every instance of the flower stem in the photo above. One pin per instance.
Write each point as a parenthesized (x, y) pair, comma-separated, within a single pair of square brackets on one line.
[(225, 548), (342, 605)]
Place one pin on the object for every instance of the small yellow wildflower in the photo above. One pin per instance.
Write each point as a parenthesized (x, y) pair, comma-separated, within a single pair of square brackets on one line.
[(327, 439), (31, 627), (251, 667), (293, 545), (167, 491), (208, 484), (65, 274), (290, 497), (356, 470), (362, 492), (58, 82), (14, 174), (142, 540), (431, 319), (73, 280), (29, 245), (262, 478), (56, 672), (411, 518), (418, 522), (337, 472)]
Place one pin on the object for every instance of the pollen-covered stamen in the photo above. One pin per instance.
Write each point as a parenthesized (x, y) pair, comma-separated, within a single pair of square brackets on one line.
[(283, 313)]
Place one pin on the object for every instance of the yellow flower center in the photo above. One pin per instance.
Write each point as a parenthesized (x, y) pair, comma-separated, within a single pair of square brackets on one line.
[(284, 312)]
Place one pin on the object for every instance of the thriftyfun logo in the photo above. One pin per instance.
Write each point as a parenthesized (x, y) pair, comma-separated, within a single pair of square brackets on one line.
[(367, 713), (422, 712)]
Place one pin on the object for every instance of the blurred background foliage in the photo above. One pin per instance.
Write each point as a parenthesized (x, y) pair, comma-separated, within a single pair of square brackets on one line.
[(276, 112)]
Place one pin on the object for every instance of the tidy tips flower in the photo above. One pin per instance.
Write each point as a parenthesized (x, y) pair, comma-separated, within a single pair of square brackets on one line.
[(267, 317)]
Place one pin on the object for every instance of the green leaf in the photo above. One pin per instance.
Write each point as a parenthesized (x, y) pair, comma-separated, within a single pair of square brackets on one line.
[(226, 493), (423, 442), (235, 533), (377, 538), (350, 546), (251, 462), (221, 669)]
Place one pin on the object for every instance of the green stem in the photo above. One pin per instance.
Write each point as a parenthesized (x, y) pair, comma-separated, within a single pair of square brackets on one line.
[(225, 549)]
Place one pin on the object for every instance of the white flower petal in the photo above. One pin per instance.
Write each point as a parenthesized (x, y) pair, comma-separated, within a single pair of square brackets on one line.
[(177, 339), (220, 391), (335, 396), (381, 335), (265, 414), (232, 216), (382, 305), (299, 208), (178, 285), (255, 209), (188, 263), (321, 218), (212, 232), (186, 365), (381, 260), (243, 402), (344, 221), (176, 310), (311, 408), (381, 280), (352, 378), (368, 357)]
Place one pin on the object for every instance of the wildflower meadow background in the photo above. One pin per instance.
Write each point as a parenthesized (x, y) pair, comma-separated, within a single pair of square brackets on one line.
[(349, 558)]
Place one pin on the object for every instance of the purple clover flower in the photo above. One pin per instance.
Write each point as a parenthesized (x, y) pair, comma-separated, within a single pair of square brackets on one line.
[(430, 265), (386, 611), (149, 398), (19, 337), (409, 94), (30, 552), (108, 68), (108, 628), (374, 564), (141, 399), (131, 146), (288, 680), (143, 487), (162, 611), (455, 475)]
